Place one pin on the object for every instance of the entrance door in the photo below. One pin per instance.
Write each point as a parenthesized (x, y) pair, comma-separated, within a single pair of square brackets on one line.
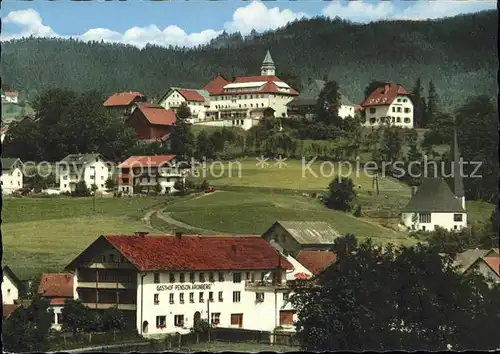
[(196, 317), (286, 318), (145, 327), (237, 319)]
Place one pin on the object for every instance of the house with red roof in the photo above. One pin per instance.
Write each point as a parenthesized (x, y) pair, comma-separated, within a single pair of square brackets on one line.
[(245, 100), (198, 101), (124, 102), (146, 172), (489, 267), (57, 288), (151, 122), (388, 104), (166, 283)]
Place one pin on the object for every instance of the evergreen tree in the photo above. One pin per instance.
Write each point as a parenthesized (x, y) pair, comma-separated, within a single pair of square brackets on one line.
[(341, 195), (372, 86), (419, 105), (328, 104), (181, 138), (432, 105), (204, 146)]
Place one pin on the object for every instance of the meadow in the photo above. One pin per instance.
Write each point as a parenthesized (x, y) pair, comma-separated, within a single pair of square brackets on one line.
[(45, 234)]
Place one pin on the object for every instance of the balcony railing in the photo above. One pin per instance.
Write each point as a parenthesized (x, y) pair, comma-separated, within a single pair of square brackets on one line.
[(106, 285), (265, 286), (103, 306), (107, 265)]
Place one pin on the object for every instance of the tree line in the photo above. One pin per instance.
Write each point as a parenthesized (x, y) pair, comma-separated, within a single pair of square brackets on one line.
[(457, 53)]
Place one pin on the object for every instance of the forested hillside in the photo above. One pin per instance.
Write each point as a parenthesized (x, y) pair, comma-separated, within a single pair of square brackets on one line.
[(459, 54)]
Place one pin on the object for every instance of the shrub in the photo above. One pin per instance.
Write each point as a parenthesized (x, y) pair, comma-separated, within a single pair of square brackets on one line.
[(357, 211)]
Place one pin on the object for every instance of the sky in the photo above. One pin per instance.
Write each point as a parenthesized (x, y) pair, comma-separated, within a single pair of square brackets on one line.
[(194, 22)]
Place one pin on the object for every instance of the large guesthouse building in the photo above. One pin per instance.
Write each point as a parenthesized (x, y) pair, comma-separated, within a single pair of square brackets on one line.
[(167, 283)]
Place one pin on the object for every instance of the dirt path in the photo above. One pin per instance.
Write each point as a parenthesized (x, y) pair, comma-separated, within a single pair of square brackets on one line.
[(165, 216), (147, 220)]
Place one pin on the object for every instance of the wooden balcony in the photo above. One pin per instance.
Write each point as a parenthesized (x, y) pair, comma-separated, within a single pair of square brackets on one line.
[(106, 285), (103, 306), (107, 265), (262, 286)]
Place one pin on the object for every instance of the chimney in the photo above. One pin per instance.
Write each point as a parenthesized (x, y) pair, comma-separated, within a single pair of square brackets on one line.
[(413, 190), (178, 235), (141, 233)]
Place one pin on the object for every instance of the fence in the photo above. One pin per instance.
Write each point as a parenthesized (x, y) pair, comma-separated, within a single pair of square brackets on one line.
[(262, 337)]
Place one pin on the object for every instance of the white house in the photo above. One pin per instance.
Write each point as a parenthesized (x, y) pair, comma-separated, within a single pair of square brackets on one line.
[(12, 175), (304, 106), (388, 104), (243, 102), (167, 283), (148, 171), (198, 101), (57, 288), (432, 205), (90, 168), (10, 286), (10, 97)]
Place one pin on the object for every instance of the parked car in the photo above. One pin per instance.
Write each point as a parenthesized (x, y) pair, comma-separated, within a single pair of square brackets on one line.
[(210, 190)]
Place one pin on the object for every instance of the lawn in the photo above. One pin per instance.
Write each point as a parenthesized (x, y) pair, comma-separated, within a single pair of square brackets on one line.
[(45, 234), (295, 175), (245, 347), (253, 213)]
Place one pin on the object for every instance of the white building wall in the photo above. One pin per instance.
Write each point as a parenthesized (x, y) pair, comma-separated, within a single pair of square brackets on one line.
[(444, 220), (346, 111), (256, 315), (10, 292), (95, 173), (55, 324), (244, 123), (12, 180), (175, 99), (401, 110)]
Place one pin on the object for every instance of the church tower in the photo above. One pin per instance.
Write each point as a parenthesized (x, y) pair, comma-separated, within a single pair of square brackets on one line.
[(457, 179), (268, 68)]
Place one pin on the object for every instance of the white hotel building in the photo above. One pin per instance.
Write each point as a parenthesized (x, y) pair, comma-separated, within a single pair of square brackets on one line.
[(243, 102), (166, 283)]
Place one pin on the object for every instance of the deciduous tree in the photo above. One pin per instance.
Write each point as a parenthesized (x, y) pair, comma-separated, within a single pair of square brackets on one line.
[(341, 195)]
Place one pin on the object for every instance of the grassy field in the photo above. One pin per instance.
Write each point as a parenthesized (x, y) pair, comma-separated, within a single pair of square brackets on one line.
[(13, 111), (245, 347), (247, 212), (45, 234), (295, 175)]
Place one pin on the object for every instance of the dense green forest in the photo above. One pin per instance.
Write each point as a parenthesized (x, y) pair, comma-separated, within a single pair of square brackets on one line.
[(458, 54)]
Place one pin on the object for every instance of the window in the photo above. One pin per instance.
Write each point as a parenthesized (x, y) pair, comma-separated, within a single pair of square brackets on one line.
[(181, 298), (221, 299), (210, 296), (259, 297), (156, 299), (457, 217), (211, 278), (373, 110), (407, 120), (237, 319), (191, 277), (172, 277), (179, 320), (424, 217), (111, 258), (215, 318), (161, 321), (191, 297), (399, 99), (372, 120), (248, 275), (236, 296), (103, 259), (202, 277), (201, 296), (286, 296), (171, 298), (399, 120), (423, 228), (59, 318), (455, 227), (236, 277), (394, 109), (407, 110), (181, 278), (399, 109), (157, 278)]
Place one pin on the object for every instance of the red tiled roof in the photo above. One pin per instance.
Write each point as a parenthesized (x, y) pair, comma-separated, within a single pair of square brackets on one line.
[(384, 95), (58, 301), (157, 115), (8, 309), (56, 285), (153, 161), (316, 261), (122, 99), (198, 252), (494, 263), (215, 86), (268, 87), (191, 95)]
